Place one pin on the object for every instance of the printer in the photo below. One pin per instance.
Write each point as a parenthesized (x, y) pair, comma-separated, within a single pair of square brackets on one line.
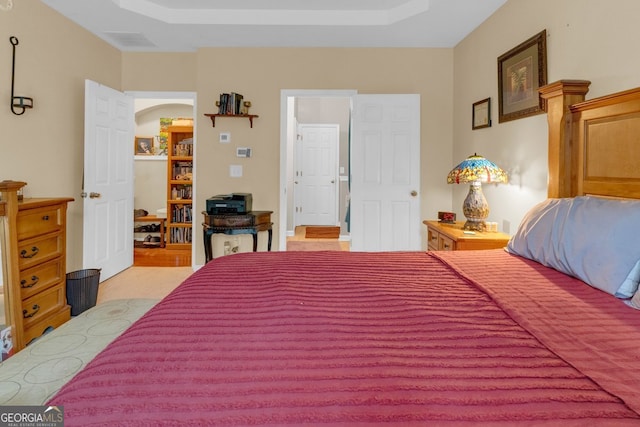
[(234, 203)]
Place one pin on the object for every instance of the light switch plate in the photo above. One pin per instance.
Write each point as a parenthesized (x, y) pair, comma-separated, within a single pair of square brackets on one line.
[(225, 137), (235, 171)]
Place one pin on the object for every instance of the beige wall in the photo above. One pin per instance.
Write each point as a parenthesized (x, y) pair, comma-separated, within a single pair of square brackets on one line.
[(44, 147), (261, 74), (589, 39), (586, 39)]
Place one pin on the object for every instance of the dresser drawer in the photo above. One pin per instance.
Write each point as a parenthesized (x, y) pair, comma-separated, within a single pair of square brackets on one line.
[(443, 236), (432, 236), (56, 319), (41, 277), (43, 304), (445, 243), (32, 252), (39, 221)]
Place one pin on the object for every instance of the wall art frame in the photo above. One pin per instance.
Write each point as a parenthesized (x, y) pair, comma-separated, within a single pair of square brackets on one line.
[(481, 114), (521, 71), (143, 146)]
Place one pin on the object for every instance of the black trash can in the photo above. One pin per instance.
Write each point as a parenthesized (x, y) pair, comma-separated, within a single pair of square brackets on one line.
[(82, 289)]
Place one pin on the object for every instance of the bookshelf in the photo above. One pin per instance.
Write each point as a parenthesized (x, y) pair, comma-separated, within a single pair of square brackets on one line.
[(179, 187)]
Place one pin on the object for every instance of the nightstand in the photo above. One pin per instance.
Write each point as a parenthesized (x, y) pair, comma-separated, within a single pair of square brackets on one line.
[(451, 237)]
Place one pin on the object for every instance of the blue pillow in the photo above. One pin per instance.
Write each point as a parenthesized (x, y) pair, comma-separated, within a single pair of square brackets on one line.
[(594, 239)]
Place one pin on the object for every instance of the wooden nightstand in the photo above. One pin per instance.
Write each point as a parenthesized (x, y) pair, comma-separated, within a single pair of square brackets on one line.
[(451, 237)]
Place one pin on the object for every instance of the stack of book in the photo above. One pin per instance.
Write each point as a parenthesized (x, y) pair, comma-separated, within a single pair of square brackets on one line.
[(230, 103)]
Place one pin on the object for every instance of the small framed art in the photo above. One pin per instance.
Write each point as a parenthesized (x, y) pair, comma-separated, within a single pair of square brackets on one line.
[(481, 114), (143, 146), (521, 72)]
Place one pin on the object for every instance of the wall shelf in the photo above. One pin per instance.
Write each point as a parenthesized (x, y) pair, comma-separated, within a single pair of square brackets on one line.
[(248, 116)]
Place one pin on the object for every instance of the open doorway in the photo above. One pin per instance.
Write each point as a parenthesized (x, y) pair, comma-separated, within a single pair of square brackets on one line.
[(155, 112), (313, 107)]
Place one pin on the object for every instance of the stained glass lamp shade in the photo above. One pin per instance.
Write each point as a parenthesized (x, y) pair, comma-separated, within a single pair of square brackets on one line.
[(474, 171)]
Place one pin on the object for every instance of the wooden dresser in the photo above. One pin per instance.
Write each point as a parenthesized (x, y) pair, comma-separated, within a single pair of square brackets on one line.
[(451, 237), (33, 239)]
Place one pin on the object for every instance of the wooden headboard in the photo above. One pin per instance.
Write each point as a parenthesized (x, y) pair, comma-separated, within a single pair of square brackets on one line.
[(594, 146)]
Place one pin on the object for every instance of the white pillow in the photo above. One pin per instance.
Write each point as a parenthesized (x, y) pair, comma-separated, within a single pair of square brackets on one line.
[(635, 301), (591, 238)]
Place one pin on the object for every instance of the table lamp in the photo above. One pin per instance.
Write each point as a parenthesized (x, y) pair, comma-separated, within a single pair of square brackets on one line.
[(475, 170)]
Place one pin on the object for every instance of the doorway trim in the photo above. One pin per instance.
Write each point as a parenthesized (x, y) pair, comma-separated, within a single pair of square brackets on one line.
[(286, 160)]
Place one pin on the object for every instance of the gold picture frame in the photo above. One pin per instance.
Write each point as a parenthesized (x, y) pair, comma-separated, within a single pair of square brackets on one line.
[(521, 71), (143, 146), (481, 114)]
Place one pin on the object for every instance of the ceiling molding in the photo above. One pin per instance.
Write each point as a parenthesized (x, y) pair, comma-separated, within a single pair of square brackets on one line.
[(284, 17)]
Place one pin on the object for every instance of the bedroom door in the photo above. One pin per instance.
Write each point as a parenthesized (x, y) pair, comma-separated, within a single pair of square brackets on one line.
[(385, 173), (316, 175), (108, 180)]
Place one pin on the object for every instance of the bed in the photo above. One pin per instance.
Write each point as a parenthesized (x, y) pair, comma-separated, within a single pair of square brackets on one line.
[(496, 337)]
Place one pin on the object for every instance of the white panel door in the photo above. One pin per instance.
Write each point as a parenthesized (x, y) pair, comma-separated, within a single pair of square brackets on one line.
[(316, 175), (385, 173), (108, 180)]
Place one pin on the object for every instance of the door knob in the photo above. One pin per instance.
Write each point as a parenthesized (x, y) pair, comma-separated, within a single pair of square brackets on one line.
[(93, 195), (414, 193)]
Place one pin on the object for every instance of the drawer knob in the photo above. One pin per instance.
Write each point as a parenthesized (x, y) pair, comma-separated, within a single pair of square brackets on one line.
[(25, 254), (27, 315), (34, 281), (45, 218)]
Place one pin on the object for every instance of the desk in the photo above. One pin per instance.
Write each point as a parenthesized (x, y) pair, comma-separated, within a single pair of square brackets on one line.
[(251, 223)]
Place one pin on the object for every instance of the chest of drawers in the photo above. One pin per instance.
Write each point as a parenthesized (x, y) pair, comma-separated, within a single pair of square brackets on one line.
[(34, 250)]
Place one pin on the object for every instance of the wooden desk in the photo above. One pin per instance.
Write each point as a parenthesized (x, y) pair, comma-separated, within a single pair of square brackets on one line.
[(250, 223), (451, 237)]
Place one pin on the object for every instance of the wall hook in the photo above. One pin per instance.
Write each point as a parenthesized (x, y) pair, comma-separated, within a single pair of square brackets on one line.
[(22, 102)]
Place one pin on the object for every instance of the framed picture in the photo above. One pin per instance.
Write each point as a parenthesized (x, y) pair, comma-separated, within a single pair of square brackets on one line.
[(521, 71), (143, 146), (481, 115)]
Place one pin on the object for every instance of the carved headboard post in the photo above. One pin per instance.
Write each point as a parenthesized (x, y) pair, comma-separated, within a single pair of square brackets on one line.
[(559, 97)]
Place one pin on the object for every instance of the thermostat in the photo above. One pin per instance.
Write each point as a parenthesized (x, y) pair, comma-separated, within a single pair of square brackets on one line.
[(243, 152)]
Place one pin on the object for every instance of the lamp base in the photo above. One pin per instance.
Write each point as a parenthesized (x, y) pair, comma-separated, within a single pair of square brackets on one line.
[(475, 225), (475, 208)]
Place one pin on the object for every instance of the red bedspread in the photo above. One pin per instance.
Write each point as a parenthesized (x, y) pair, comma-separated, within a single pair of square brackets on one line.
[(338, 338)]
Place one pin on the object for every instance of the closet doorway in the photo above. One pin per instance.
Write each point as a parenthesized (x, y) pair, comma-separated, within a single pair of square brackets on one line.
[(154, 111)]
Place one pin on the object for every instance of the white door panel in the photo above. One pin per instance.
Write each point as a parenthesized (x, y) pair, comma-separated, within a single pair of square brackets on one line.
[(108, 180), (316, 175), (385, 161)]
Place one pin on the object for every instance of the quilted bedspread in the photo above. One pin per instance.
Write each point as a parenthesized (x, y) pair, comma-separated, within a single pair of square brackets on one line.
[(354, 339)]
